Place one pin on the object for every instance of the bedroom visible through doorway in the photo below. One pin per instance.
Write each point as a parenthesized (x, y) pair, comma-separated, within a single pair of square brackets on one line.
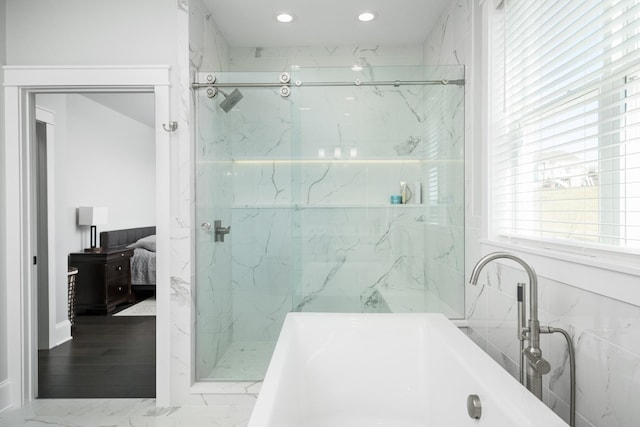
[(102, 154)]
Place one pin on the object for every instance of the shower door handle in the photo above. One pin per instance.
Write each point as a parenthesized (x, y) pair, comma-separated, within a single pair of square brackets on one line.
[(219, 231)]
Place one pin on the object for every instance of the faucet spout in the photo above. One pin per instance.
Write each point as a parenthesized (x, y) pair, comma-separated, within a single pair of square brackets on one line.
[(533, 279)]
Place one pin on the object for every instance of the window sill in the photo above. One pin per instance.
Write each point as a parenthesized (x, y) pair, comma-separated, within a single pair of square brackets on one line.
[(620, 281)]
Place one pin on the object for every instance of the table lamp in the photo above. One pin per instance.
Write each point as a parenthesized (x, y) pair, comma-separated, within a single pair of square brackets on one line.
[(92, 216)]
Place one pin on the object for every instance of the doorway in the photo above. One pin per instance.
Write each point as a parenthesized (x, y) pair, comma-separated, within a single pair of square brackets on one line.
[(21, 85), (100, 152)]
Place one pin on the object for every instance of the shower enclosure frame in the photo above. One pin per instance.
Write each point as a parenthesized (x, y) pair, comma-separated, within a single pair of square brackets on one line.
[(290, 87)]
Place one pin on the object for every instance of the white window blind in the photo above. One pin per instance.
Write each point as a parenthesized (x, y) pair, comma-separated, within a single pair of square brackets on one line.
[(565, 111)]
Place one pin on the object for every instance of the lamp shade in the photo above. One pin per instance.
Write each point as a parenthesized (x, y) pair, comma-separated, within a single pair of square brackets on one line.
[(91, 215)]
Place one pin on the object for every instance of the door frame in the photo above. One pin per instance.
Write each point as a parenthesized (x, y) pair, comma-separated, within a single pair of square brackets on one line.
[(21, 83), (47, 327)]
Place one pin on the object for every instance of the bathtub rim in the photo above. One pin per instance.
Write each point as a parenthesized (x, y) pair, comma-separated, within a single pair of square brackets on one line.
[(521, 397)]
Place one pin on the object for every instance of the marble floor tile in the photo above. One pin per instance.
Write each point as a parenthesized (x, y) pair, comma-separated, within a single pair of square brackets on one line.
[(244, 361), (122, 413)]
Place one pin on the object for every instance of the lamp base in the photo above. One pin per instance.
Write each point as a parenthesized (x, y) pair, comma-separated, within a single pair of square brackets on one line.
[(94, 250)]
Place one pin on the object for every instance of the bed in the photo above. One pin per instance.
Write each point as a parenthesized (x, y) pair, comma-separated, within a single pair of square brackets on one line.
[(143, 262)]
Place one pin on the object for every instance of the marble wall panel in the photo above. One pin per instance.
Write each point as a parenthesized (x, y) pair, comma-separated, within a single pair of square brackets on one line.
[(208, 49), (210, 314), (346, 242), (283, 58), (261, 272), (604, 332)]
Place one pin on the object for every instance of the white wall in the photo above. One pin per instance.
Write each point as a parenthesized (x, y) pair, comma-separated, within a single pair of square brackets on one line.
[(74, 32), (101, 158), (4, 387), (117, 33)]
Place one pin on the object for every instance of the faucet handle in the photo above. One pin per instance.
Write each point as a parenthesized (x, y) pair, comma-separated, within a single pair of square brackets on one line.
[(537, 362)]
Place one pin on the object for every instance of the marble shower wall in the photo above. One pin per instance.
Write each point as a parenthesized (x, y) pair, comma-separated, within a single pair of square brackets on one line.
[(284, 58), (213, 192), (210, 315), (445, 197), (208, 49), (312, 226)]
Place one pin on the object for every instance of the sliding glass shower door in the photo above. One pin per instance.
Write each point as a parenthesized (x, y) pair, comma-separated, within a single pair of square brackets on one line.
[(302, 168), (242, 179)]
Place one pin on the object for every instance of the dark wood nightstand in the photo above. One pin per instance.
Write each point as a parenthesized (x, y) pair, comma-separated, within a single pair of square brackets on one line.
[(103, 280)]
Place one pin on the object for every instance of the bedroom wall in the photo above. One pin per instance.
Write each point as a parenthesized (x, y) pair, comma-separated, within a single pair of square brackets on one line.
[(4, 386), (101, 158)]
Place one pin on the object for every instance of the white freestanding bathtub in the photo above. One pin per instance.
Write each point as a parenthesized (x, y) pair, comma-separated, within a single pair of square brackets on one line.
[(391, 370)]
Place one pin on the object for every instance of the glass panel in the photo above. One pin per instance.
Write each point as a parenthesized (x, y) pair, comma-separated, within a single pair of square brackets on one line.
[(242, 284), (356, 252), (305, 182)]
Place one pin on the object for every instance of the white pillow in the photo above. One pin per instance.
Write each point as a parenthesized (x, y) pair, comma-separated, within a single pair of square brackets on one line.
[(148, 243)]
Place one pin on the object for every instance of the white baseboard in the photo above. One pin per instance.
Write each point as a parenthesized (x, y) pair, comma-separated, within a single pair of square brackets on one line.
[(5, 395), (63, 332)]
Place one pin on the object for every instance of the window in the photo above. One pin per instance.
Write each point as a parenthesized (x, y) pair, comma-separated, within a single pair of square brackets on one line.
[(565, 128)]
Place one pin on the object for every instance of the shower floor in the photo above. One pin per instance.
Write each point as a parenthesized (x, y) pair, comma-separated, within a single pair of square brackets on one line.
[(244, 361)]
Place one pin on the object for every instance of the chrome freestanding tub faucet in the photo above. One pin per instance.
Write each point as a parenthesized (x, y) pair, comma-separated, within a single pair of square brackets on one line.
[(536, 365)]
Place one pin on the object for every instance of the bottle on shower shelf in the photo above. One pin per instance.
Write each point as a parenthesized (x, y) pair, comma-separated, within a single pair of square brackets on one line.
[(405, 192), (417, 193)]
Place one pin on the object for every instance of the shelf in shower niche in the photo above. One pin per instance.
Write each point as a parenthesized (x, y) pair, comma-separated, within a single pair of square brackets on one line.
[(330, 206)]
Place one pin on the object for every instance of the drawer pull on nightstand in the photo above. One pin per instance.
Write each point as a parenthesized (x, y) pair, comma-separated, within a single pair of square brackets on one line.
[(119, 268)]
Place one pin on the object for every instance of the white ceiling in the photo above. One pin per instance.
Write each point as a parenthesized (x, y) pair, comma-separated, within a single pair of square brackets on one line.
[(251, 23)]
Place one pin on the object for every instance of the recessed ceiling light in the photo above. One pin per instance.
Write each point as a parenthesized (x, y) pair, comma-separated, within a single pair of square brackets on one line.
[(285, 17), (366, 16)]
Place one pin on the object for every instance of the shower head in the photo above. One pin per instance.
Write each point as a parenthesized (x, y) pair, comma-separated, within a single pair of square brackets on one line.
[(230, 100)]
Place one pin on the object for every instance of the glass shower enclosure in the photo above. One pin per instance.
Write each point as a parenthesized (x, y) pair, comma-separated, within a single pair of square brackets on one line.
[(298, 177)]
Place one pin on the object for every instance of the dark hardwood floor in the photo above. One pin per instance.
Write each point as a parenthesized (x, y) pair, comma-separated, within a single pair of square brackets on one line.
[(108, 357)]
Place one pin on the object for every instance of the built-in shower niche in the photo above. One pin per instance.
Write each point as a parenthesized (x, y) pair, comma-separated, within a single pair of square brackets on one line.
[(305, 183)]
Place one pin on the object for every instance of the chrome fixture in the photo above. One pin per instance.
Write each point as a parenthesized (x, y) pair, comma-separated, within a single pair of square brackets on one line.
[(172, 127), (536, 366), (208, 80), (532, 365), (474, 406), (219, 231), (572, 369), (230, 99), (285, 78), (285, 91)]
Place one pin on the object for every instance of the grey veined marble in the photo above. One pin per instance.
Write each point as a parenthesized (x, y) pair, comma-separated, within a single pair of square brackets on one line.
[(305, 182), (123, 413)]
